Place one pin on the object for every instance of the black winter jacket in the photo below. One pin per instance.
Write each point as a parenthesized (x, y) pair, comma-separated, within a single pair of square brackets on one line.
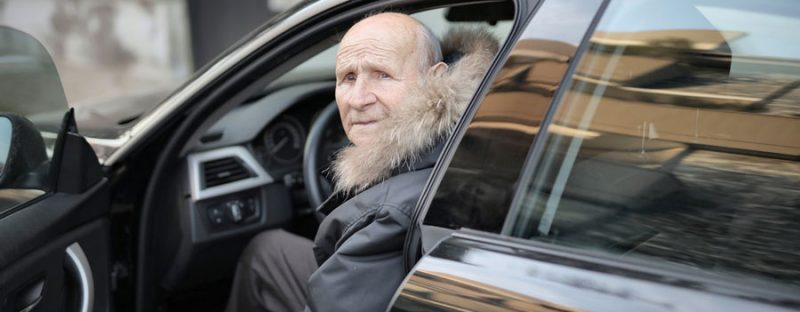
[(359, 244)]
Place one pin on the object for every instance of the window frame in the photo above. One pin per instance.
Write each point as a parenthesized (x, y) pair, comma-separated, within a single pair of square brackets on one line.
[(523, 13), (523, 16), (536, 151)]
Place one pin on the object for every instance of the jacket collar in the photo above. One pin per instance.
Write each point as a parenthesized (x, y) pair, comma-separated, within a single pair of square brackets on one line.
[(427, 160)]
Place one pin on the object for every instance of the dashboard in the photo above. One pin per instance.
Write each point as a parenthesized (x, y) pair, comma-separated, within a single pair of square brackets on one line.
[(244, 175), (281, 144), (259, 143)]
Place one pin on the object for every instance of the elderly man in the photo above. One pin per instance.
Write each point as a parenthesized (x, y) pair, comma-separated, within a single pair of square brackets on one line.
[(397, 101)]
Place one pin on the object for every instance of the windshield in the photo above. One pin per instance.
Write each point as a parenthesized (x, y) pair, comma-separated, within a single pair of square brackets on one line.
[(107, 135), (118, 62), (112, 117)]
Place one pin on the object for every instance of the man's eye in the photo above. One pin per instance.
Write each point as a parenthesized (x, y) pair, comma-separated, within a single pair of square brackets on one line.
[(383, 75), (349, 77)]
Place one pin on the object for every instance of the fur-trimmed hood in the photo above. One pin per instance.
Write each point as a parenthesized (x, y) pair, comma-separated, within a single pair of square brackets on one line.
[(424, 118)]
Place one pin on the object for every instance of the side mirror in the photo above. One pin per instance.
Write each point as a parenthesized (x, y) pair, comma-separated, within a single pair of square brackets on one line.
[(23, 154)]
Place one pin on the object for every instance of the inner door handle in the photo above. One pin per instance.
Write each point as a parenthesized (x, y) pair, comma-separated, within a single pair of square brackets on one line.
[(29, 298), (77, 261)]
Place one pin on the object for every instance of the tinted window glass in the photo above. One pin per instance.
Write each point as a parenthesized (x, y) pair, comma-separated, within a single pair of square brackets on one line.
[(29, 83), (678, 140), (479, 184), (30, 90)]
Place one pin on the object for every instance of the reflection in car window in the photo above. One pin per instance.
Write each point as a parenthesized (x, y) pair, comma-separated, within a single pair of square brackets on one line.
[(480, 181), (678, 140)]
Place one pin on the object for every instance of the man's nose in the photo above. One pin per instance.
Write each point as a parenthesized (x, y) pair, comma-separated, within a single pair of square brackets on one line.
[(362, 95)]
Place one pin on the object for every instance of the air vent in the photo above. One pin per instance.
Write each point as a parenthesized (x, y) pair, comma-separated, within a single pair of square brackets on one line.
[(224, 171)]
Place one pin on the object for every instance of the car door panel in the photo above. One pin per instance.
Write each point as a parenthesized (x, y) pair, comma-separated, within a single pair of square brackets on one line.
[(624, 203), (54, 198), (36, 267), (35, 241), (49, 264), (470, 271), (55, 214)]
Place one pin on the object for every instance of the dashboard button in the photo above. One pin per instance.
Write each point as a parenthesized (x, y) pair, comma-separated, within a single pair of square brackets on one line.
[(215, 215), (250, 208), (234, 209)]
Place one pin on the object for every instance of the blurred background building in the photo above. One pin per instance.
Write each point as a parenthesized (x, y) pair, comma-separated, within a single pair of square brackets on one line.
[(129, 54)]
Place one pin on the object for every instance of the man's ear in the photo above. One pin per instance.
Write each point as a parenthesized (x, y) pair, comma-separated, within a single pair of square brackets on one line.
[(437, 69)]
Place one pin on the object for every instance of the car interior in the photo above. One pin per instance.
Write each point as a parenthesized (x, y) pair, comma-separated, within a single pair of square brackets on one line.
[(257, 161)]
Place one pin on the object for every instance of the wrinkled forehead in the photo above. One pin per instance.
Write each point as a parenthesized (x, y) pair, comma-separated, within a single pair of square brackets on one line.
[(385, 37), (369, 49)]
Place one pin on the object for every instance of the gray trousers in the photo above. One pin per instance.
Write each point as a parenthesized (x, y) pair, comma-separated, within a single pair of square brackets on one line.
[(272, 273)]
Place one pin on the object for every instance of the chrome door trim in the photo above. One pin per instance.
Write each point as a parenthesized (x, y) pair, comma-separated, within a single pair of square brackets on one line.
[(77, 258), (148, 124), (479, 271)]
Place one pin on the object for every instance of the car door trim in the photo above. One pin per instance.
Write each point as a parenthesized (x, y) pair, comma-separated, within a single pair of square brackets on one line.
[(756, 291)]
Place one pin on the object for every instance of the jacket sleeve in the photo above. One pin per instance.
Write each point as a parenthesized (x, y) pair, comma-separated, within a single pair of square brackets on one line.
[(366, 269)]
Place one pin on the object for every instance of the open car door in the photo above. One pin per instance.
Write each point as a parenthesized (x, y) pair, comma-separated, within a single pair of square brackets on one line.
[(54, 202), (557, 193)]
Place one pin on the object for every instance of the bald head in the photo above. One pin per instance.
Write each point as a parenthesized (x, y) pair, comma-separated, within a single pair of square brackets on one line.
[(405, 29), (381, 60)]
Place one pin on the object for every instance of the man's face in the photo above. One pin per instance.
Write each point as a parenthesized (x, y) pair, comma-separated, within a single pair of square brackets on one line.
[(376, 67)]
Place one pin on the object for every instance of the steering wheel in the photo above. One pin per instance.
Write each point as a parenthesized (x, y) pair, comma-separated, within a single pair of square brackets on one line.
[(318, 153)]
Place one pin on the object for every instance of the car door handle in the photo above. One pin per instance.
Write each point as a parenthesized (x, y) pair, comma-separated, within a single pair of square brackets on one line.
[(79, 265), (29, 298)]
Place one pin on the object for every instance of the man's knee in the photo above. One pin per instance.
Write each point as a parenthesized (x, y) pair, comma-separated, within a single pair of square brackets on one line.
[(261, 247), (273, 238), (273, 246)]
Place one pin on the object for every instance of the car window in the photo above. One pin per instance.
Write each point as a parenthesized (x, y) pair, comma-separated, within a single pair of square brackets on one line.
[(677, 141), (29, 83), (30, 90), (322, 64), (479, 183)]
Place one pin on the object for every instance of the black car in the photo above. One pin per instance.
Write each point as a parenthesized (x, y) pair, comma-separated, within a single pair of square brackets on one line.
[(619, 155)]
